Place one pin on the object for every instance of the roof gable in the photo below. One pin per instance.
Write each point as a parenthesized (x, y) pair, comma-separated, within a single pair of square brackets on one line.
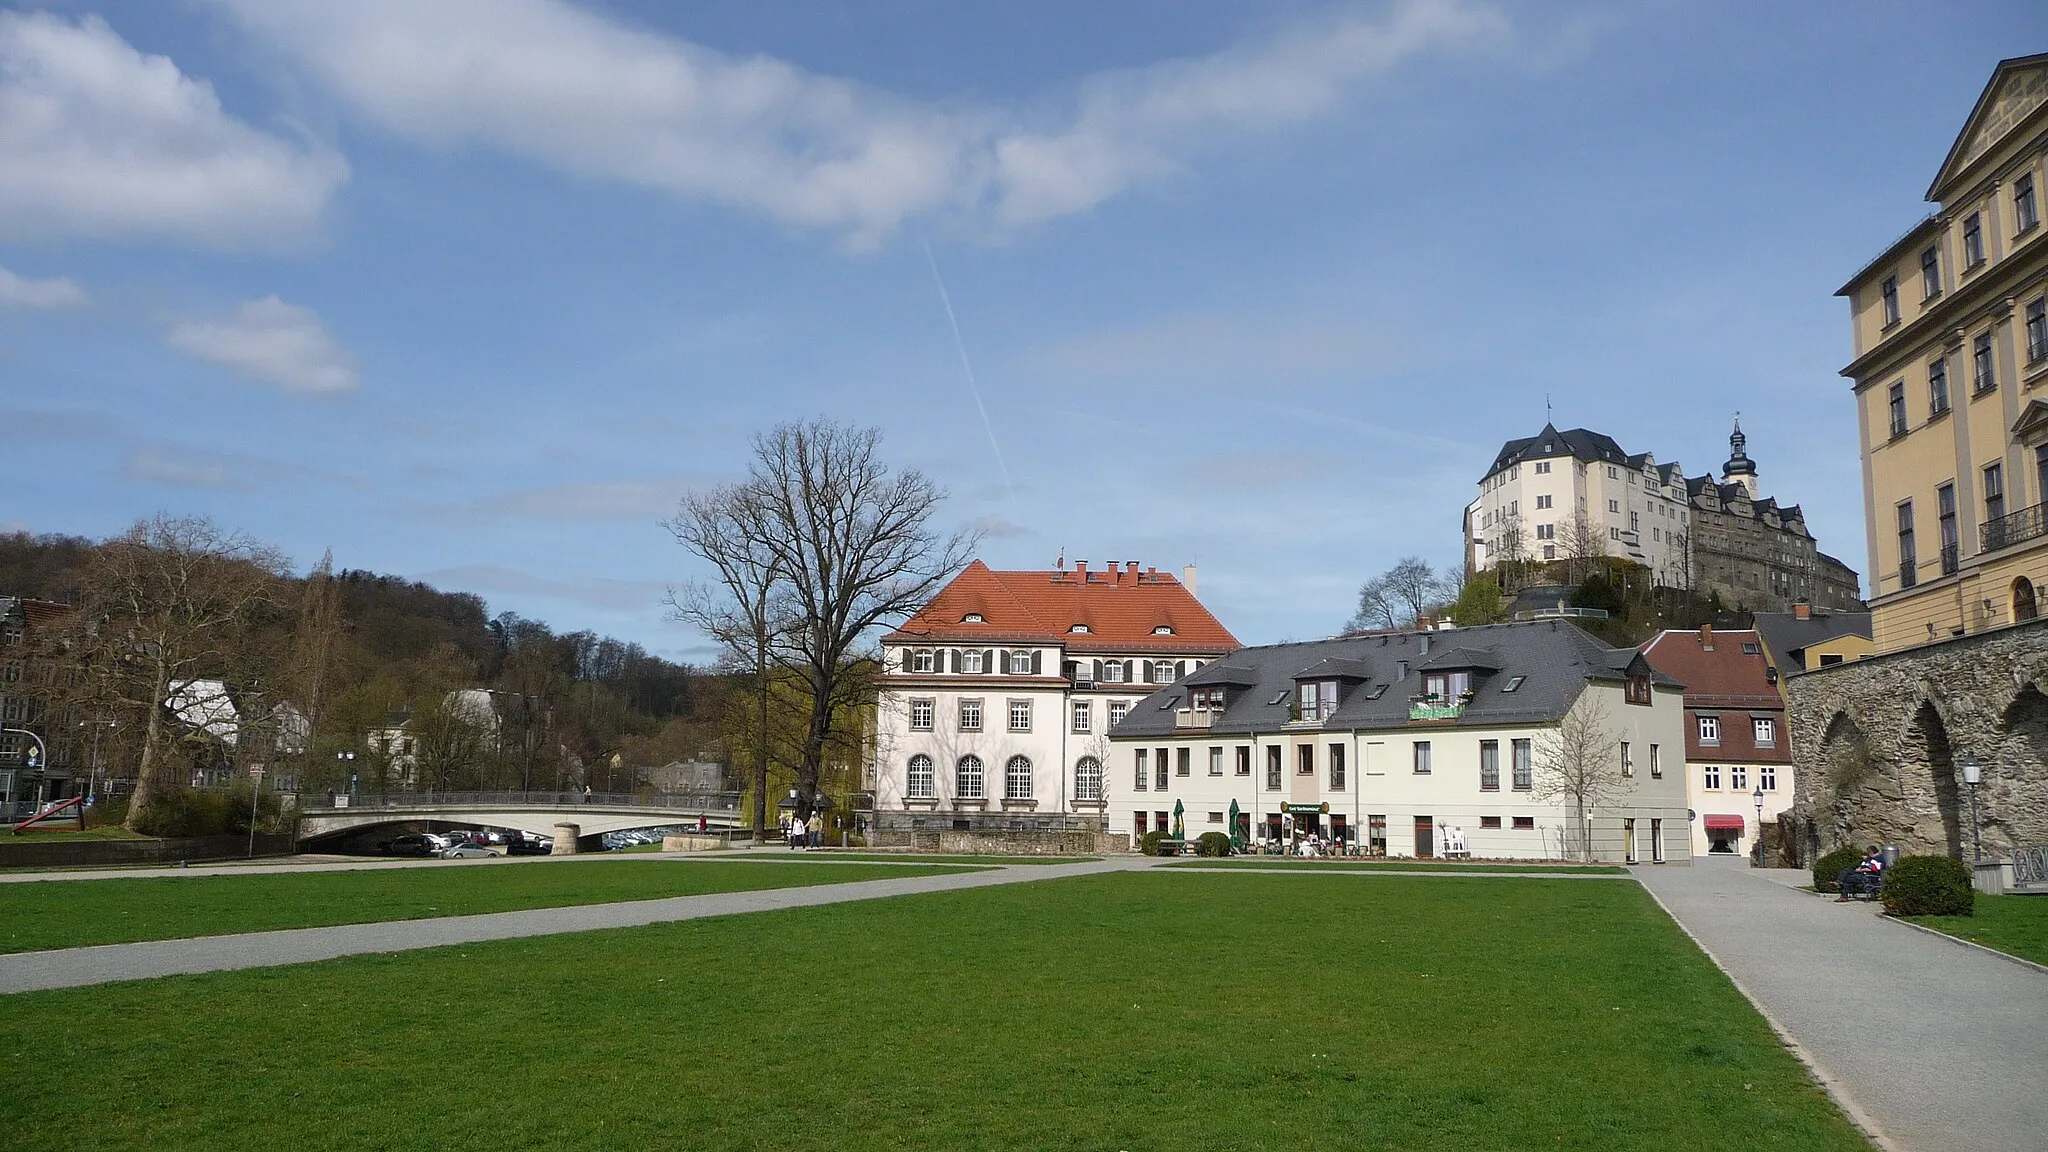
[(1121, 609), (2017, 88)]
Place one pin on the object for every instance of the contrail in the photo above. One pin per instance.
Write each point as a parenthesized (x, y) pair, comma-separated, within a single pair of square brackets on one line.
[(972, 385)]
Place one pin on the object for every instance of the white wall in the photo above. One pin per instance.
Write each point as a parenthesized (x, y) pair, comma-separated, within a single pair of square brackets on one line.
[(1729, 800)]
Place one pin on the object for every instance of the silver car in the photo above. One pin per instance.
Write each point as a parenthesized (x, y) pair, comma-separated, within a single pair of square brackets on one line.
[(466, 851)]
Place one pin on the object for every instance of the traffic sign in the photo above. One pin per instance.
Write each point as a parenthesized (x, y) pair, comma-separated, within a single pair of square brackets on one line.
[(255, 771)]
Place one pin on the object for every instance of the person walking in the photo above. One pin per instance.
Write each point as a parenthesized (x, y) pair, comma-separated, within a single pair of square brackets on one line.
[(817, 827), (795, 831)]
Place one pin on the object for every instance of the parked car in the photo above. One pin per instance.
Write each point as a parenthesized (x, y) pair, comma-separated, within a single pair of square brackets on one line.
[(466, 851), (418, 844), (529, 846)]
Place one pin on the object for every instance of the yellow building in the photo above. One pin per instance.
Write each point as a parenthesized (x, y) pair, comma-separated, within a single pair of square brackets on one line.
[(1951, 382)]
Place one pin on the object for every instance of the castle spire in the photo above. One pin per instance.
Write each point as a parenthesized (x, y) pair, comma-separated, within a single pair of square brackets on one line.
[(1739, 469)]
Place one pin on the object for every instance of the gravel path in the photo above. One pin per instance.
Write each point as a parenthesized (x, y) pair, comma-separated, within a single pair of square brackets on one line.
[(77, 967), (1936, 1046)]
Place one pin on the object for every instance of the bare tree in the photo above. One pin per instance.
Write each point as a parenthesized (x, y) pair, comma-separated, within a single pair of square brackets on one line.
[(1580, 541), (168, 603), (1510, 550), (728, 527), (1578, 765), (1399, 596), (313, 649), (853, 543)]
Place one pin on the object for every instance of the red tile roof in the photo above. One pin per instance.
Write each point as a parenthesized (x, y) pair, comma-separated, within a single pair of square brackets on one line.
[(1121, 608), (1724, 677)]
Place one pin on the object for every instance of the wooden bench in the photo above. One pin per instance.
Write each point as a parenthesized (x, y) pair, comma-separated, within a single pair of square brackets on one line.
[(1173, 847)]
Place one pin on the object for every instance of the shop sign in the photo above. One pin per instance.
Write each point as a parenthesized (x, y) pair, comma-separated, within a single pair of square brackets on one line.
[(1305, 809)]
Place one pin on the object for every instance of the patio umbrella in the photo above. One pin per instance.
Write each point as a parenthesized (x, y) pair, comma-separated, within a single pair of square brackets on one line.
[(1180, 830), (1235, 837)]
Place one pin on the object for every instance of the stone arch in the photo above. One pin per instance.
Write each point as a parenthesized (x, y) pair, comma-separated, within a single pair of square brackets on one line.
[(2023, 600), (1930, 793)]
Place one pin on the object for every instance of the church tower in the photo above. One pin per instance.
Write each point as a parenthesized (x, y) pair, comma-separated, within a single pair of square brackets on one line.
[(1739, 469)]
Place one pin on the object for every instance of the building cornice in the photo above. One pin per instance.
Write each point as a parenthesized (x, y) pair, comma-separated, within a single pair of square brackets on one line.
[(1987, 293)]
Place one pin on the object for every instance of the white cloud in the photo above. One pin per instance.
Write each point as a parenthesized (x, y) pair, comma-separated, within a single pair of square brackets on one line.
[(574, 90), (100, 140), (643, 499), (18, 291), (181, 468), (592, 591), (274, 342)]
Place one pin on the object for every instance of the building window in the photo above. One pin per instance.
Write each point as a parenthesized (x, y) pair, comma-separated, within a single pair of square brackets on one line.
[(970, 715), (1909, 562), (1656, 765), (1550, 551), (1215, 761), (1137, 823), (2023, 604), (1159, 769), (1612, 474), (1117, 709), (1889, 292), (923, 660), (1738, 777), (1628, 766), (2037, 330), (1937, 387), (1524, 766), (1613, 505), (1766, 732), (1017, 778), (1083, 716), (1305, 760), (1181, 761), (1543, 467), (1525, 823), (1614, 533), (1421, 757), (1710, 729), (1088, 779), (1634, 524), (2024, 212), (1712, 777), (1945, 505), (1020, 663), (1273, 768), (920, 715), (1994, 491), (1143, 778), (1980, 354), (1930, 273), (1898, 409), (1543, 502), (1546, 531), (1020, 715), (1244, 760), (967, 778), (970, 662), (1973, 240), (922, 783), (1489, 821), (1336, 767), (1113, 672), (1489, 765), (1638, 691), (1767, 777)]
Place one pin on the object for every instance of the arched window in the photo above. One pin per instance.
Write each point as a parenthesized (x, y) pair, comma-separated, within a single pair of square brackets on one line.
[(967, 778), (1088, 778), (922, 784), (1017, 778), (2023, 600)]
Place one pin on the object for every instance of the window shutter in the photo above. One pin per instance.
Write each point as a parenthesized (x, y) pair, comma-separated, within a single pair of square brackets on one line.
[(1180, 669), (953, 658), (906, 660), (1130, 671), (1037, 663), (1003, 662), (1098, 672), (988, 664)]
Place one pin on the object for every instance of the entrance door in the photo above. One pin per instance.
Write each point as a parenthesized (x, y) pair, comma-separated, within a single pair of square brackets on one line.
[(1425, 837)]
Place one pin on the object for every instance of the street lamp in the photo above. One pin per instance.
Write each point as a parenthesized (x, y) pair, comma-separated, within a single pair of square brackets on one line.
[(1758, 796), (1973, 775), (345, 762)]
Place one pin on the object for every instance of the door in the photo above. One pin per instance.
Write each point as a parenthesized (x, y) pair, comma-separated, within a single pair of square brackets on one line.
[(1425, 837), (1628, 839), (1657, 841)]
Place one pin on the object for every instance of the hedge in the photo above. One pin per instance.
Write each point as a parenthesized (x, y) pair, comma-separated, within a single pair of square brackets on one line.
[(1148, 844), (1830, 867), (1929, 886), (1212, 844)]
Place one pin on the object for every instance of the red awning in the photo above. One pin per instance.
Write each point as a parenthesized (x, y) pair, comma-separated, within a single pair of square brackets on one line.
[(1724, 823)]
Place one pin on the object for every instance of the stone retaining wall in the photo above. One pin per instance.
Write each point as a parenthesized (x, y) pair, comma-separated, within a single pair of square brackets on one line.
[(1004, 843), (88, 853), (1879, 745)]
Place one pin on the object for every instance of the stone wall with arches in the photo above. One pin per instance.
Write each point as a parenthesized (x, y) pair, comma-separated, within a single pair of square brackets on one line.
[(1879, 745)]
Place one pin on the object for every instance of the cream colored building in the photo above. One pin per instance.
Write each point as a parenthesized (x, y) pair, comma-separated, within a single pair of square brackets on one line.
[(1951, 383), (1564, 495)]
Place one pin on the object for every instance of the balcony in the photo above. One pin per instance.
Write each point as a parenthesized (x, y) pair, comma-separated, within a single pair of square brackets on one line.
[(1909, 573), (2012, 528), (1951, 559), (1435, 708)]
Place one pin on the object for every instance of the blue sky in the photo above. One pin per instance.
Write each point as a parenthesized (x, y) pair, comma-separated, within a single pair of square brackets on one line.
[(471, 290)]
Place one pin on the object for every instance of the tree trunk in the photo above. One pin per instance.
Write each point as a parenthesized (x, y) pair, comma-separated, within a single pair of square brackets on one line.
[(146, 787), (760, 733)]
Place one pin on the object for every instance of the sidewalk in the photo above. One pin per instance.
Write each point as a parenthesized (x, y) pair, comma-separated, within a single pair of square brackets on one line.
[(77, 967), (1941, 1047)]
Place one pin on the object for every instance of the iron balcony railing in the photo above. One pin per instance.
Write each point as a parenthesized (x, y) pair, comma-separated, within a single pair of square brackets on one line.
[(2005, 531), (1951, 558), (1435, 708), (1909, 573), (673, 802)]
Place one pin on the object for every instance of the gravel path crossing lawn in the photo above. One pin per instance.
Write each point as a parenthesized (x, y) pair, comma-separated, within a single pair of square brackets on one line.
[(1944, 1048)]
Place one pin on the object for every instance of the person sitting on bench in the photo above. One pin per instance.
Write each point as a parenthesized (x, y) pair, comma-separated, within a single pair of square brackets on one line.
[(1864, 877)]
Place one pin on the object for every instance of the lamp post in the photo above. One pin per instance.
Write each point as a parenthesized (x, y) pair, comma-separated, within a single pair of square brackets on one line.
[(1973, 775), (345, 763), (1758, 796)]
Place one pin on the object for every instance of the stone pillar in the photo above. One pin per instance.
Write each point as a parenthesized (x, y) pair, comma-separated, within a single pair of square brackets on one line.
[(565, 839)]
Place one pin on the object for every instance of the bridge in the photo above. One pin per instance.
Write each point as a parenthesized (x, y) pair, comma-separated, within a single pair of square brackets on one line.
[(326, 817)]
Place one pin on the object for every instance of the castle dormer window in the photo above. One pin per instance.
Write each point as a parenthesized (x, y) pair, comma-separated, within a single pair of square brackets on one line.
[(1078, 628), (1163, 630), (972, 618)]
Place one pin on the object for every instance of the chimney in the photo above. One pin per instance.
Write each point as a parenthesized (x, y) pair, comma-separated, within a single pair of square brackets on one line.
[(1707, 637), (1802, 610), (1151, 575), (1131, 568), (1187, 577), (1080, 571)]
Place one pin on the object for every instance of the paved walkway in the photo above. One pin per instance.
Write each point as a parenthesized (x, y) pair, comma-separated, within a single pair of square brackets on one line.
[(1938, 1045), (77, 967)]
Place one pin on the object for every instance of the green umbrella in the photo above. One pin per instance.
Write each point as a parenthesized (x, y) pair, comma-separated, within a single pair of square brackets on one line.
[(1180, 830), (1235, 837)]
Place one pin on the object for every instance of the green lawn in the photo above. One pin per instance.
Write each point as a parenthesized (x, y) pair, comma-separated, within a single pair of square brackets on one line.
[(1121, 1011), (1346, 865), (2017, 925), (935, 858), (71, 913)]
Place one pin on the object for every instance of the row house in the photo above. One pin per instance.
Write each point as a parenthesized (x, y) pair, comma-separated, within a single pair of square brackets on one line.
[(1402, 744), (1738, 749), (996, 698)]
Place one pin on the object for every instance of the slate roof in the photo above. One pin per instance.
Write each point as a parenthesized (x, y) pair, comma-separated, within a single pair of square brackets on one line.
[(1555, 660), (1582, 443), (1121, 608), (1788, 637)]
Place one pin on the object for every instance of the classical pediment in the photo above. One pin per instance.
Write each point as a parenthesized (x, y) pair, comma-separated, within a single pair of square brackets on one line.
[(2017, 88), (2032, 426)]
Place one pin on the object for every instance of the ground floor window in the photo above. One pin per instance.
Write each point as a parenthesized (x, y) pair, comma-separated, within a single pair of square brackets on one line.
[(922, 784), (1376, 835), (1738, 777), (1137, 823), (1657, 841), (1525, 823), (1767, 778), (1628, 839), (1088, 778), (967, 778), (1017, 778), (1489, 821)]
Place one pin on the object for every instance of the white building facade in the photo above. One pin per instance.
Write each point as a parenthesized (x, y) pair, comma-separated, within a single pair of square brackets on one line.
[(997, 697), (1540, 489), (1406, 744)]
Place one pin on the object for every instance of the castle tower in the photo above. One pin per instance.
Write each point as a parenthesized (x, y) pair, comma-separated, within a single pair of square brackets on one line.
[(1739, 469)]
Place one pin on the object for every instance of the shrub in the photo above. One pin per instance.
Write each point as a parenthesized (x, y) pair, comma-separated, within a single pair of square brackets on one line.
[(1149, 843), (1212, 844), (209, 812), (1929, 886), (1830, 867)]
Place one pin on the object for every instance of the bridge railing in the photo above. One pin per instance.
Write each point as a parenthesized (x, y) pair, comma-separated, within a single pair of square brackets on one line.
[(666, 802)]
